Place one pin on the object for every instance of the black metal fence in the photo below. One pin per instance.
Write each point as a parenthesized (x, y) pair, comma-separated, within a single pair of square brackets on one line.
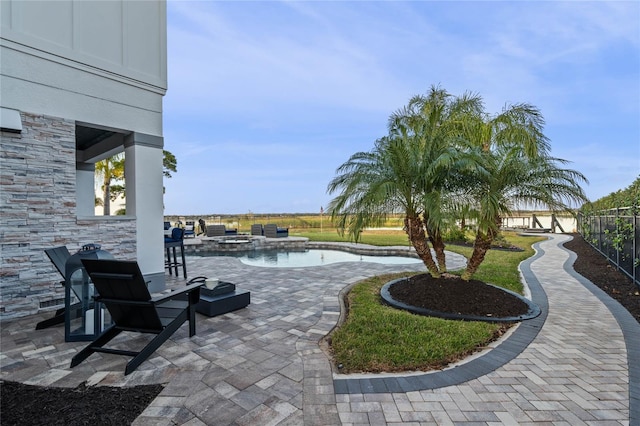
[(616, 234)]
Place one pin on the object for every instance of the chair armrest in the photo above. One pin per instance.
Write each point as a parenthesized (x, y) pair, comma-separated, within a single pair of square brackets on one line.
[(123, 302), (110, 275), (191, 288)]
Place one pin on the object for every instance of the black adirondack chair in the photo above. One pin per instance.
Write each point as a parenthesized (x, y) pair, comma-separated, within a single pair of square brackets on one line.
[(124, 293), (58, 256)]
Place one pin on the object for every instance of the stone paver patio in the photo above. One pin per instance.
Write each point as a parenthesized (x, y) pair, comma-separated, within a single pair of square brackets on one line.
[(579, 363)]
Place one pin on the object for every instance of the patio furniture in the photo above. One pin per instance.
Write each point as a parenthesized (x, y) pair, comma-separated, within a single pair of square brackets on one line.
[(271, 230), (84, 317), (58, 256), (220, 231), (203, 227), (190, 229), (167, 225), (123, 291), (221, 299), (176, 240), (256, 229)]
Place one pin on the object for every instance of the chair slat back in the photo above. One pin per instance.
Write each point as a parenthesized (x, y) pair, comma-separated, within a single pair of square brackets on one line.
[(58, 256), (119, 283), (216, 230), (271, 230)]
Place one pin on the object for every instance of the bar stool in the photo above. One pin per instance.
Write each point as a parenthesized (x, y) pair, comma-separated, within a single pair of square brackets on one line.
[(170, 244)]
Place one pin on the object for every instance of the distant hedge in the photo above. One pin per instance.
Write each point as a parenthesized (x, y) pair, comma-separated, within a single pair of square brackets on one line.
[(628, 197)]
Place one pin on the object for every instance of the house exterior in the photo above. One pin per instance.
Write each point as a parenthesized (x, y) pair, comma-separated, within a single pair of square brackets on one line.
[(79, 82)]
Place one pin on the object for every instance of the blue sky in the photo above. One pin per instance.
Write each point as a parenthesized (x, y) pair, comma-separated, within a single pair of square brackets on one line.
[(266, 99)]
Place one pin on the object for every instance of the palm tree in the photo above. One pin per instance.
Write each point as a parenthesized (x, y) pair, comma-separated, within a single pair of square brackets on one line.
[(517, 125), (445, 155), (512, 166), (406, 171), (509, 177), (377, 183), (435, 120), (112, 169), (108, 170), (169, 163)]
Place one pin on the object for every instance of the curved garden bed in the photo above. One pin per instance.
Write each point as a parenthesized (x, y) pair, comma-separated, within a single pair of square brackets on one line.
[(450, 297)]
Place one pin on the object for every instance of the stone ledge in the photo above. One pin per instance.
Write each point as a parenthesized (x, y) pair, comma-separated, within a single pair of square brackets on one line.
[(237, 243), (365, 249)]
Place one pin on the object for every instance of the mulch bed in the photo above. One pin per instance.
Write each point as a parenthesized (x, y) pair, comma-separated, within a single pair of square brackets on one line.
[(597, 269), (94, 405), (451, 294), (469, 244), (33, 405)]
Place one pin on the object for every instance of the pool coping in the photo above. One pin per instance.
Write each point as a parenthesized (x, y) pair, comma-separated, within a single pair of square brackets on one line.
[(196, 246)]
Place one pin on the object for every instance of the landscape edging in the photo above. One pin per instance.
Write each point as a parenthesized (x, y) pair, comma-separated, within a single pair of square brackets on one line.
[(510, 348)]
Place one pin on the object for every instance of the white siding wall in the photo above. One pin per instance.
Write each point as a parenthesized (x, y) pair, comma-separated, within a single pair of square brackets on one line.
[(99, 64)]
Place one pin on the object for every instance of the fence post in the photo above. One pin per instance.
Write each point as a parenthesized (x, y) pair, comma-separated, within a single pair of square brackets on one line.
[(600, 233), (635, 267)]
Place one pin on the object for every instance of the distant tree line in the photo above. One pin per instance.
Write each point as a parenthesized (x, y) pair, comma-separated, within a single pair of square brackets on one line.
[(628, 197)]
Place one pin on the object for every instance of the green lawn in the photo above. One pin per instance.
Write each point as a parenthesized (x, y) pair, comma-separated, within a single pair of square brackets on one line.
[(373, 237), (376, 338)]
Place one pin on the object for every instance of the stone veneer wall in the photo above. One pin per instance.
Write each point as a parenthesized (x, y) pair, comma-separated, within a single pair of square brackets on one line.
[(248, 243), (38, 211)]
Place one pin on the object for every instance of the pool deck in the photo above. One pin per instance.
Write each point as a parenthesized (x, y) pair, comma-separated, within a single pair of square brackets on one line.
[(577, 364)]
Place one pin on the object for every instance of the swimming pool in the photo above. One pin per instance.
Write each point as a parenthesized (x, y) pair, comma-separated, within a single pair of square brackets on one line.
[(313, 257)]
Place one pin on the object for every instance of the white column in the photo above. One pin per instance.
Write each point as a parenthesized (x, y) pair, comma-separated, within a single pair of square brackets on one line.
[(143, 176), (85, 190)]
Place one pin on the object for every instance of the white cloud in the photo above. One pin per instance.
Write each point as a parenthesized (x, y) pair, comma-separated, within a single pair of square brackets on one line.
[(281, 93), (219, 68)]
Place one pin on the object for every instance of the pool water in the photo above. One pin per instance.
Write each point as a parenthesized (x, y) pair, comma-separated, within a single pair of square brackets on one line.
[(297, 259)]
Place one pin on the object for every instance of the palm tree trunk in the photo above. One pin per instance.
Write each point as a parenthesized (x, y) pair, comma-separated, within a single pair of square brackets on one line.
[(415, 230), (438, 246), (106, 201), (480, 248)]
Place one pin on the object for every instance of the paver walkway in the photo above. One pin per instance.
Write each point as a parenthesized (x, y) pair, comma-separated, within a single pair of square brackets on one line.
[(262, 365), (574, 372)]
